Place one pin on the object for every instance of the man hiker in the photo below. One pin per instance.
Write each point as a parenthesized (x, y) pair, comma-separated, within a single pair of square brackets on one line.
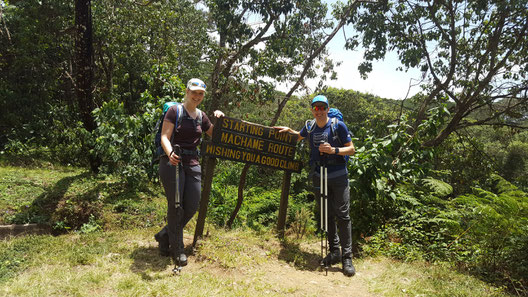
[(330, 142)]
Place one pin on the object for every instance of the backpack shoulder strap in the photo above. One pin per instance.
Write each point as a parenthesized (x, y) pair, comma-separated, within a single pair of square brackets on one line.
[(179, 112), (310, 125), (333, 127), (179, 118), (199, 116)]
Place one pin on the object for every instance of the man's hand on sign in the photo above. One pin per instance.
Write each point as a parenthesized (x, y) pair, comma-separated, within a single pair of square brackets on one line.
[(283, 129)]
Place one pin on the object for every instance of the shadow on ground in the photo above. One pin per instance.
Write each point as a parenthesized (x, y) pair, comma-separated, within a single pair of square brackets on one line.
[(301, 259), (148, 260)]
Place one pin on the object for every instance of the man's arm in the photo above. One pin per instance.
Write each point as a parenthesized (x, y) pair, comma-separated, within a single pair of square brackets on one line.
[(290, 130)]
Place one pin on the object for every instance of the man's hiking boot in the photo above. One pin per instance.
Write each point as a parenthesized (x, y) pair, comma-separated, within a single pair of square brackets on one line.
[(348, 268), (163, 244), (332, 258)]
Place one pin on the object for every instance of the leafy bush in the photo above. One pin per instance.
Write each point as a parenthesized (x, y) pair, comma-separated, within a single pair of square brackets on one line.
[(515, 166), (264, 208), (483, 231), (376, 170), (495, 222), (125, 143)]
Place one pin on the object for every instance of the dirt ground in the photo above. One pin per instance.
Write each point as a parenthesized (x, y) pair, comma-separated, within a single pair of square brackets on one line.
[(308, 281)]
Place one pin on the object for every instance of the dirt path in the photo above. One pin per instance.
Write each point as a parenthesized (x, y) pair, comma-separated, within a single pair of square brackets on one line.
[(315, 283), (282, 277)]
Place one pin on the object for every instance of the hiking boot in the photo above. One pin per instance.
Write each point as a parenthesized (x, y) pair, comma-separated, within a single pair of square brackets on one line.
[(163, 245), (180, 259), (332, 258), (348, 268)]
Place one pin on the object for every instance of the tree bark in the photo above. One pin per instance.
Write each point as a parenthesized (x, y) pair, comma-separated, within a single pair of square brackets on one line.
[(210, 164), (240, 199), (283, 207), (84, 70)]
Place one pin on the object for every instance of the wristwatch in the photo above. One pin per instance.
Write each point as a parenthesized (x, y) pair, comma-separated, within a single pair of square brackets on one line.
[(336, 150)]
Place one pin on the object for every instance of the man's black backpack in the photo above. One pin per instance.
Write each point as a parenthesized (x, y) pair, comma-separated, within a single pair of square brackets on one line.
[(158, 152)]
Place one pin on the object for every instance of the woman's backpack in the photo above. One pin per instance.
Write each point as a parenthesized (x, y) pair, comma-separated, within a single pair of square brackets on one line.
[(158, 152)]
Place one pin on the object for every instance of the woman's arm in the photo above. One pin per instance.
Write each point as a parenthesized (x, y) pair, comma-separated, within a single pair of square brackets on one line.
[(218, 114), (166, 133)]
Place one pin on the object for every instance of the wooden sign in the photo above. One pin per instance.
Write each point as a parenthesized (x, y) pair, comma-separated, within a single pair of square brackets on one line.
[(246, 142)]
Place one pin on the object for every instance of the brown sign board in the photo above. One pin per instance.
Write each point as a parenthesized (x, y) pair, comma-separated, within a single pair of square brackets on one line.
[(247, 142)]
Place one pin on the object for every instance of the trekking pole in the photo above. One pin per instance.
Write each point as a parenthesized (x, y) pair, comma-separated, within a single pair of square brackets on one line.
[(177, 204), (324, 210), (321, 192), (176, 150)]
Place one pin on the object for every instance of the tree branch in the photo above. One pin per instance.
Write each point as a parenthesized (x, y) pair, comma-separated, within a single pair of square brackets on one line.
[(309, 62)]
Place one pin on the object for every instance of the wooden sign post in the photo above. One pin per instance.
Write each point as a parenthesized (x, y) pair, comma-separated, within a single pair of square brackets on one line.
[(246, 142)]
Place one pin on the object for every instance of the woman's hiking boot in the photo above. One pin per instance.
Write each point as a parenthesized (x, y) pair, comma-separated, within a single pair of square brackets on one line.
[(348, 268), (163, 244), (332, 258), (180, 259)]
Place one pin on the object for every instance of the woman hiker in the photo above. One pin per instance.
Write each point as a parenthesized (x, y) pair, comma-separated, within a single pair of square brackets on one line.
[(186, 133)]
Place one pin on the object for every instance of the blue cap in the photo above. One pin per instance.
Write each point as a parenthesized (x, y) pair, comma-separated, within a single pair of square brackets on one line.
[(320, 98)]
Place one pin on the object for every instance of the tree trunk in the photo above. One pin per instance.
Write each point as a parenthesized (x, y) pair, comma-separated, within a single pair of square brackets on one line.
[(283, 207), (84, 70), (241, 185), (210, 164)]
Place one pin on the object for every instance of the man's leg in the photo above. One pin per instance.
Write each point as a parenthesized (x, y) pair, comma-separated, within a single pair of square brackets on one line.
[(340, 200)]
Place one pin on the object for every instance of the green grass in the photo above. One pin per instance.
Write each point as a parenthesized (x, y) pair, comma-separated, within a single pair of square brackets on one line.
[(67, 198), (227, 263), (398, 278), (20, 187), (122, 260)]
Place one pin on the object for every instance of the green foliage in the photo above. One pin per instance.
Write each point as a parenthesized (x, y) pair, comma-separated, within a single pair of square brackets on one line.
[(515, 166), (264, 208), (260, 206), (438, 187), (250, 60), (135, 46), (34, 56), (483, 231), (464, 162), (496, 229), (301, 223), (364, 110), (124, 143), (379, 165)]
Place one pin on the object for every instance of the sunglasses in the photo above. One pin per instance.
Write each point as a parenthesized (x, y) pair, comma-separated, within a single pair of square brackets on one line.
[(319, 107), (197, 84)]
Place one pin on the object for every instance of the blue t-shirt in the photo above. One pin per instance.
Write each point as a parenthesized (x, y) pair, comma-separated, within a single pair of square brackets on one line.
[(319, 135)]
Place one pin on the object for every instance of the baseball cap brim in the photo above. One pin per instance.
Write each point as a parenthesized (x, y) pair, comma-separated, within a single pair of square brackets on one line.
[(196, 84)]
